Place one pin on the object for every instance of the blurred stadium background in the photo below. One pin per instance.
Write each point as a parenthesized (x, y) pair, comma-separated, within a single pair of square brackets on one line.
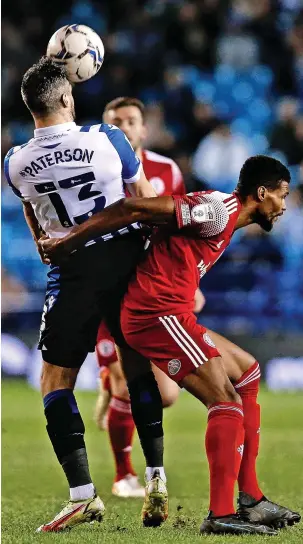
[(221, 80)]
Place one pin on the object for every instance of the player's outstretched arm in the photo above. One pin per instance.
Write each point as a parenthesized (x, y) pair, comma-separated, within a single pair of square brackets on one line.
[(159, 210)]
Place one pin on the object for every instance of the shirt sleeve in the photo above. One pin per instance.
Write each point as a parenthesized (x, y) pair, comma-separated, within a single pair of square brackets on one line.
[(207, 215), (8, 171), (131, 165)]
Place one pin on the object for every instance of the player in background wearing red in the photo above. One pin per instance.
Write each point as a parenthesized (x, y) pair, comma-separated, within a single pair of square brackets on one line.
[(158, 322), (113, 410)]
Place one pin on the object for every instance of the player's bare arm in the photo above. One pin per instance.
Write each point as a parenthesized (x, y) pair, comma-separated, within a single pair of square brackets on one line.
[(35, 228), (120, 214), (142, 188), (208, 216)]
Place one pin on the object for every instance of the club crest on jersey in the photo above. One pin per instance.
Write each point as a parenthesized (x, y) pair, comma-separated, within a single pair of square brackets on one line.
[(207, 339), (174, 366), (158, 184), (202, 213)]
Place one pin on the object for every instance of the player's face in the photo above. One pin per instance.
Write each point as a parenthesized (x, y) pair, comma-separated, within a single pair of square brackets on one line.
[(272, 205), (129, 119)]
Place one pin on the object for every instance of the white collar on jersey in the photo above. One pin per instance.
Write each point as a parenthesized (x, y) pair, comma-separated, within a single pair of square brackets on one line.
[(54, 129)]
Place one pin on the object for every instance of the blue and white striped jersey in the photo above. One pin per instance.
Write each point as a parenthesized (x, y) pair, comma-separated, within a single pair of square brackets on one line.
[(68, 173)]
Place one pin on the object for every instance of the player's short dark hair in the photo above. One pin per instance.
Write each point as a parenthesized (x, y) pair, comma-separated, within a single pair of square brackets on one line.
[(43, 85), (261, 171), (124, 102)]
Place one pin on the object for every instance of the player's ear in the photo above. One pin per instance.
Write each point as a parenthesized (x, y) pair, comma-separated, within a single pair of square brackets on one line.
[(65, 100), (261, 193)]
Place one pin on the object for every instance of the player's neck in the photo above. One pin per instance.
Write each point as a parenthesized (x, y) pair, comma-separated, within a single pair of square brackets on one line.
[(51, 120), (246, 215), (139, 153)]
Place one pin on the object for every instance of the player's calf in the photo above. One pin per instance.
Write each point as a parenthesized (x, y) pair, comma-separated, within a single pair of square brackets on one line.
[(65, 428), (225, 432)]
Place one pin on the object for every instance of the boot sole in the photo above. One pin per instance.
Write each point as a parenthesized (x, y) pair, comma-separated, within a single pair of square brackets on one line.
[(158, 516)]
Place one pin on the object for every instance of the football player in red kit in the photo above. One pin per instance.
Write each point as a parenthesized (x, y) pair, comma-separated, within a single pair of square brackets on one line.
[(113, 411), (158, 322)]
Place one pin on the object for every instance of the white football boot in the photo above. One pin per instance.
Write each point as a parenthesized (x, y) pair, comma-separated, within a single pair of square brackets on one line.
[(128, 487)]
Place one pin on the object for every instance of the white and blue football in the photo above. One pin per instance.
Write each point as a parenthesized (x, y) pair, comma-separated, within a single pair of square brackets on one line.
[(79, 48)]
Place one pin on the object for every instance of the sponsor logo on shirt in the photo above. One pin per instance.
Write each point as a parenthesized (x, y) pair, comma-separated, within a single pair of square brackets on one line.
[(202, 267), (174, 366), (50, 137), (202, 213)]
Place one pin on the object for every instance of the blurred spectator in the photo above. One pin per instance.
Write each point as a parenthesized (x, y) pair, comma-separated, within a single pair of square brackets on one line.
[(191, 34), (263, 24), (159, 138), (286, 135), (259, 248), (13, 293), (219, 158), (295, 40), (203, 121), (184, 161), (177, 101), (289, 229)]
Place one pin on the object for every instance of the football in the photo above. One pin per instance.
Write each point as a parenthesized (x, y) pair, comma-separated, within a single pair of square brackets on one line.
[(79, 48)]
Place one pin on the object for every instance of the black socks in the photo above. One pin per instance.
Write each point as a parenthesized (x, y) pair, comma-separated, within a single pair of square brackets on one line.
[(66, 431), (147, 410)]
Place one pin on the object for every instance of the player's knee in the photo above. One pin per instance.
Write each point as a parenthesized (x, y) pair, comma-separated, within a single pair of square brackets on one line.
[(119, 388), (118, 384), (244, 361), (222, 392), (56, 377), (233, 395), (169, 394), (169, 390), (169, 399)]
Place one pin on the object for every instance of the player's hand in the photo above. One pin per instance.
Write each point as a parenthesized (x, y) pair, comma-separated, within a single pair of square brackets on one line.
[(43, 257), (50, 249)]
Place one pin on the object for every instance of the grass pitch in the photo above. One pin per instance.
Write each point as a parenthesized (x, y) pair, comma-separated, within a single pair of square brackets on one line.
[(33, 485)]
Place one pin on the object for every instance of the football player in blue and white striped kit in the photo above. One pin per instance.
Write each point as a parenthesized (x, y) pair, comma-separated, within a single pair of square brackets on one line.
[(63, 175)]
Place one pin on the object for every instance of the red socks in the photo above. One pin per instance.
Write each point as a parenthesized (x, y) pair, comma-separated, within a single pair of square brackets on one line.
[(224, 447), (121, 431), (247, 387)]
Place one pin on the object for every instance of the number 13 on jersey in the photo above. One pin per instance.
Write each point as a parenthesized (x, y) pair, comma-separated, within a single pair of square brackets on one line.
[(86, 192)]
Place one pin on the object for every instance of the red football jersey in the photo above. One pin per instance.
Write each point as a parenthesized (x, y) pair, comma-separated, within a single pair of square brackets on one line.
[(167, 279), (163, 173)]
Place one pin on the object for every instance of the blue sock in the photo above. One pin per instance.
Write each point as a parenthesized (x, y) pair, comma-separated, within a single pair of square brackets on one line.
[(66, 429)]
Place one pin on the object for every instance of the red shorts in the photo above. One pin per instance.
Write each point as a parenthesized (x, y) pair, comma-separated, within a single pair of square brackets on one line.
[(105, 347), (176, 344)]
